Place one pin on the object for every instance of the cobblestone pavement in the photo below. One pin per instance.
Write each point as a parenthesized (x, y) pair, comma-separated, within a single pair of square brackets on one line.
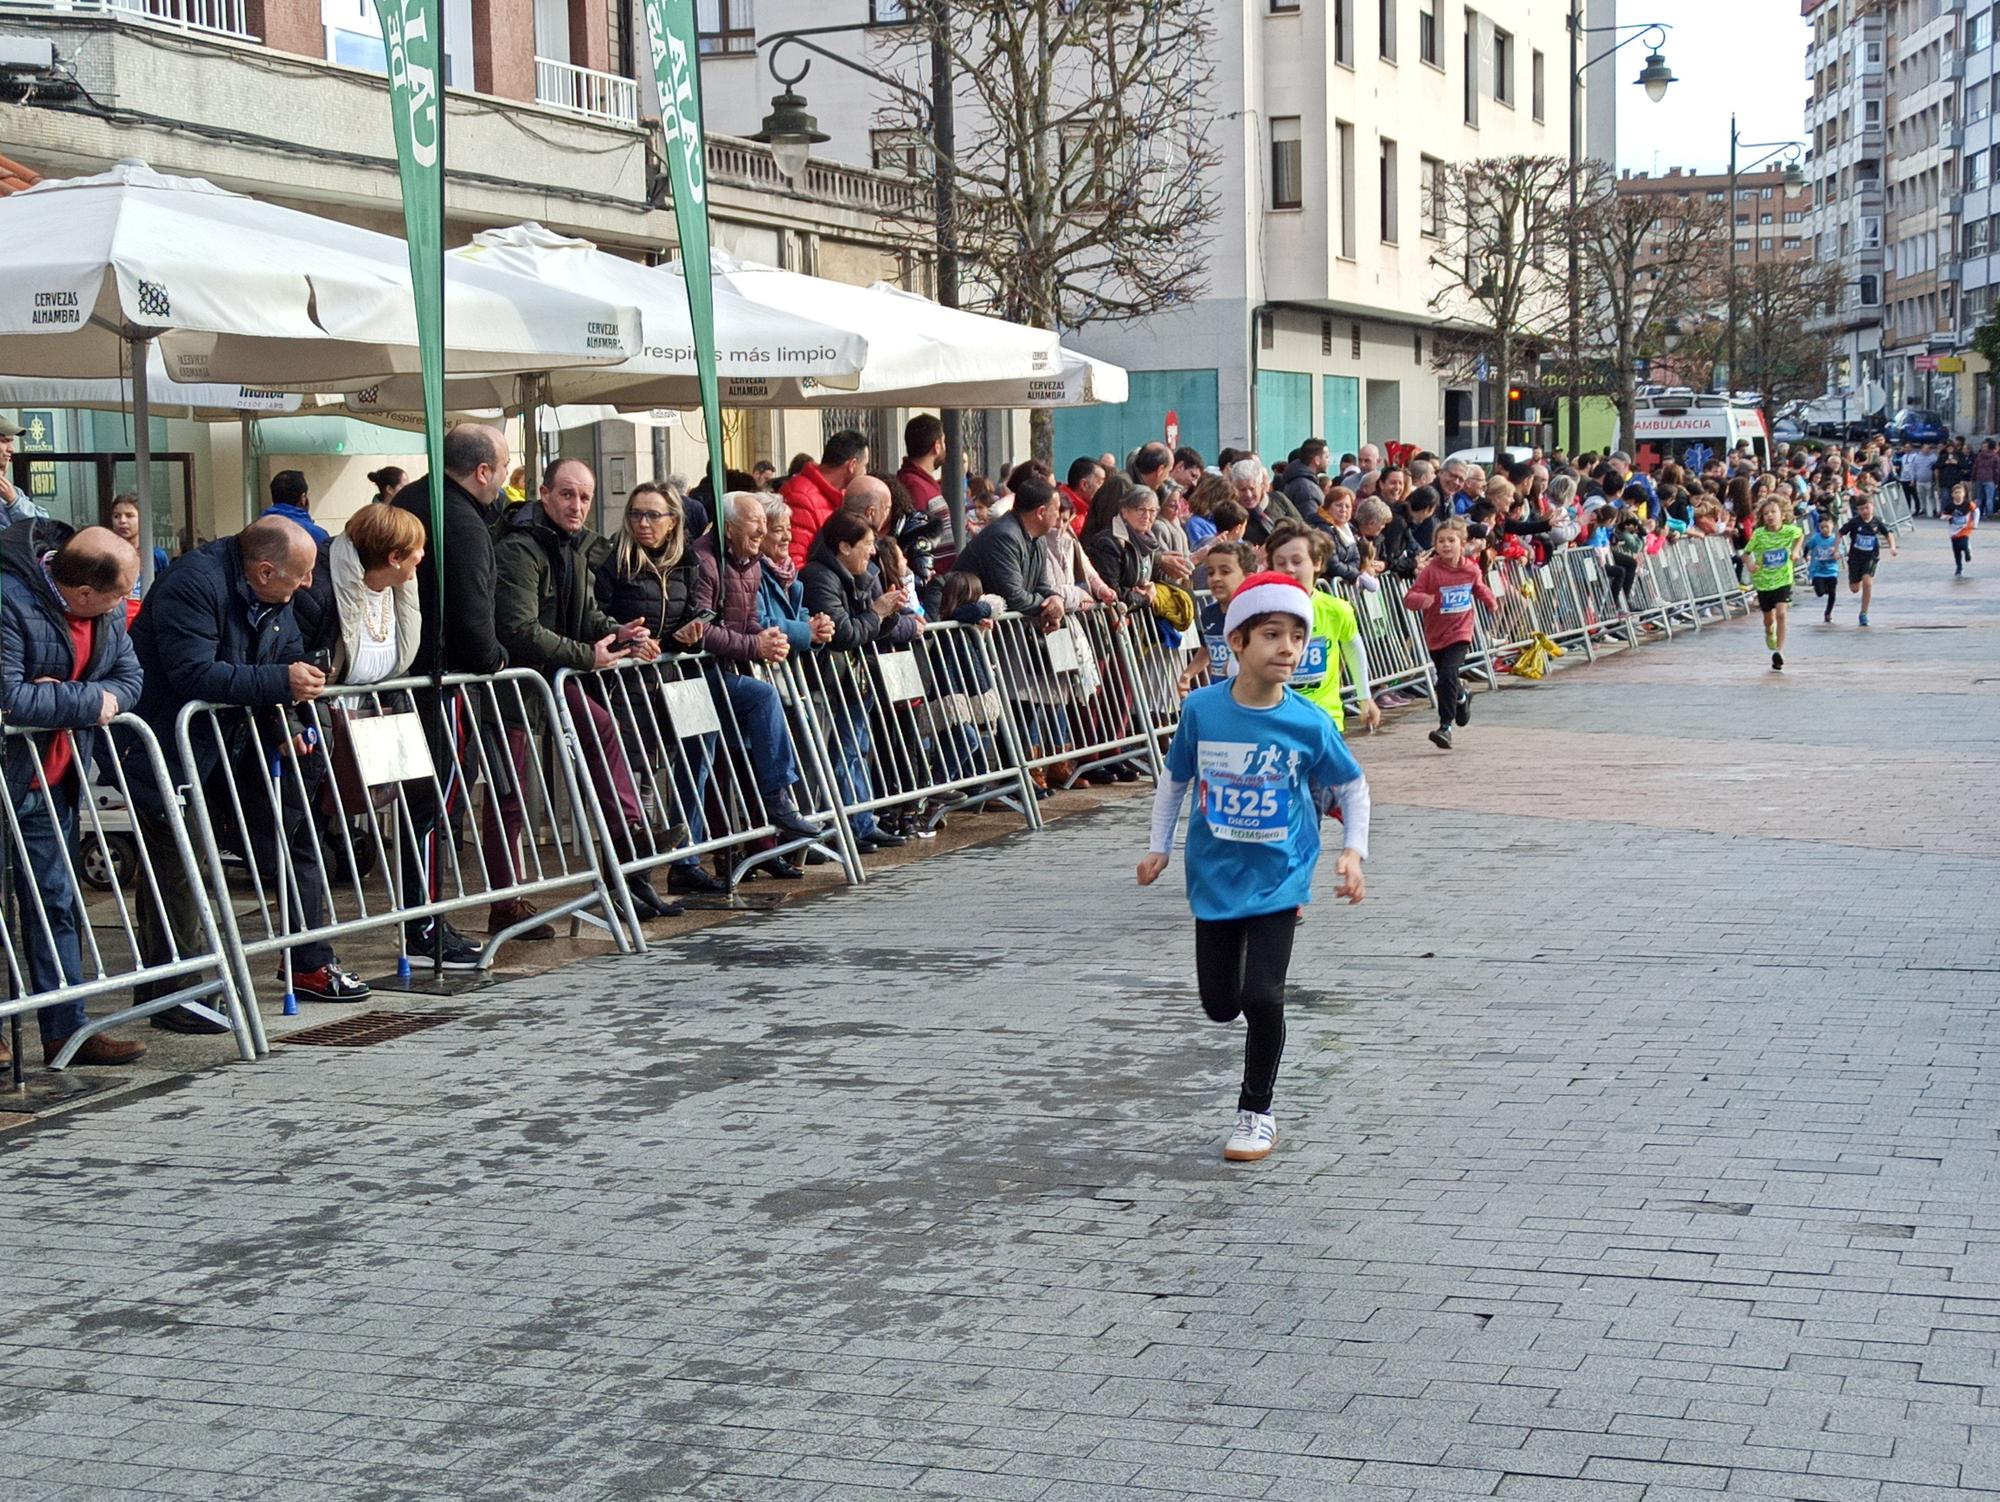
[(1639, 1142)]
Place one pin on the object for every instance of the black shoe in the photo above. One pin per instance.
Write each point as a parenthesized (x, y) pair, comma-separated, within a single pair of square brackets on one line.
[(817, 857), (883, 840), (686, 879), (865, 844), (785, 815), (420, 945), (783, 870), (1777, 662), (1463, 714), (647, 903), (1441, 738), (181, 1020), (1124, 772)]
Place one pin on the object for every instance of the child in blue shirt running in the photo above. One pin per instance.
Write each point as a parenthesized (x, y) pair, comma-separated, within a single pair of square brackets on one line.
[(1264, 761), (1823, 561)]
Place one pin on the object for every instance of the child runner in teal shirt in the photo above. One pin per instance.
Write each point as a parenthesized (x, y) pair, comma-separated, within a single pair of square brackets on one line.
[(1262, 761)]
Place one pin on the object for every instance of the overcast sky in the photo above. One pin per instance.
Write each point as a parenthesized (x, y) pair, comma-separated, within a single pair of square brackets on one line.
[(1742, 55)]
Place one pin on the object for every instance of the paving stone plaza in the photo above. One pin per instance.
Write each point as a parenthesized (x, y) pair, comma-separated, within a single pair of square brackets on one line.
[(1639, 1142)]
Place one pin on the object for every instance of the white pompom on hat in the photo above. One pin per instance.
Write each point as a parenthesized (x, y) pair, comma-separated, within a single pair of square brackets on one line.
[(1265, 593)]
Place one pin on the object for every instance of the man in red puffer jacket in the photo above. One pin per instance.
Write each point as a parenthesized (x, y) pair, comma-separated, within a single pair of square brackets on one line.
[(816, 492)]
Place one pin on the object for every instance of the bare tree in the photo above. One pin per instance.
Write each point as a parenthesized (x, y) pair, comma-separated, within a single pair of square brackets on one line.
[(1082, 156), (1503, 297), (1648, 262), (1775, 300)]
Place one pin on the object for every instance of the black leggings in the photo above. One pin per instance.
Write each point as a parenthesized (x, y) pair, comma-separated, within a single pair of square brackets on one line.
[(1623, 571), (1239, 966), (1961, 551), (1449, 661)]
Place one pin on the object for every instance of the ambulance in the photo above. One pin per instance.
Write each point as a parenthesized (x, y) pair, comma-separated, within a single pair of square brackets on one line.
[(1692, 429)]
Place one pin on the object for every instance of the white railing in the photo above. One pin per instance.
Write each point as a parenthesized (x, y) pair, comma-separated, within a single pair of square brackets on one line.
[(215, 17), (586, 92)]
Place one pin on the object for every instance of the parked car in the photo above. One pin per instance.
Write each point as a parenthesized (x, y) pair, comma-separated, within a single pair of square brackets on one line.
[(1916, 425)]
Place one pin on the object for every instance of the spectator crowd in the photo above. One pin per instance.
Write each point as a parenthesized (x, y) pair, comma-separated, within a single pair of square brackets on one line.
[(837, 553)]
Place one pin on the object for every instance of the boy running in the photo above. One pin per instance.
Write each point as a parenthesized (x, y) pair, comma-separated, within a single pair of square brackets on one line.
[(1865, 537), (1262, 759), (1771, 553), (1823, 561), (1445, 587), (1301, 552), (1963, 518), (1227, 565)]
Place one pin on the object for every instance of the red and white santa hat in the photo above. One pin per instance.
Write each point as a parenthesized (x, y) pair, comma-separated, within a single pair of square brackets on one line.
[(1261, 594)]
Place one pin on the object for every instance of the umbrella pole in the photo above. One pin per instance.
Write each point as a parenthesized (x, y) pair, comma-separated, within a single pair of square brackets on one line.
[(142, 457)]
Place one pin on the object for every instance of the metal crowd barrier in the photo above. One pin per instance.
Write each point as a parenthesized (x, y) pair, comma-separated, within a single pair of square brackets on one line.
[(1648, 605), (73, 931), (1563, 612), (1512, 625), (1668, 573), (1590, 586), (919, 727), (372, 788), (690, 787), (1394, 637), (1077, 698), (1896, 506)]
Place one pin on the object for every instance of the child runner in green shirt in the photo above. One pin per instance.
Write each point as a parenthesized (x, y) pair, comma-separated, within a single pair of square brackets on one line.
[(1772, 552), (1302, 552)]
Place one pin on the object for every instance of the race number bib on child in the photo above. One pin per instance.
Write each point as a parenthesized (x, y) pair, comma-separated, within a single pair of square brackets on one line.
[(1864, 542), (1776, 557), (1455, 599), (1218, 658), (1246, 791), (1313, 669)]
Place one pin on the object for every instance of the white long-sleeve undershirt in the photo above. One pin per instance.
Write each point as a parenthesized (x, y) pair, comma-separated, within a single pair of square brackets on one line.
[(1351, 796)]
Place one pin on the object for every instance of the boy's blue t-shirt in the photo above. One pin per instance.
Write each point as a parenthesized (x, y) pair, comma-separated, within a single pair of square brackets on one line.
[(1253, 834), (1822, 557)]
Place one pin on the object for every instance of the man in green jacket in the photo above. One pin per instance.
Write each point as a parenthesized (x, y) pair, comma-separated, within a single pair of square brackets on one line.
[(546, 615)]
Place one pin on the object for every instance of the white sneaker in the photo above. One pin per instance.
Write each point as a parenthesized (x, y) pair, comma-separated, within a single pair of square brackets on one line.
[(1255, 1135)]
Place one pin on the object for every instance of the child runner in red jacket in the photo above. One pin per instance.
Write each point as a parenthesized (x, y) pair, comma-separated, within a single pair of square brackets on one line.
[(1445, 589)]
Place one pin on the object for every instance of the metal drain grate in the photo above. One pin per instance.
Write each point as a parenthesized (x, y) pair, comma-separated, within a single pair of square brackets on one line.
[(367, 1028)]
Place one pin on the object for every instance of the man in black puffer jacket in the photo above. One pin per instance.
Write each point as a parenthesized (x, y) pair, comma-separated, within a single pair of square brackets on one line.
[(66, 667), (546, 615)]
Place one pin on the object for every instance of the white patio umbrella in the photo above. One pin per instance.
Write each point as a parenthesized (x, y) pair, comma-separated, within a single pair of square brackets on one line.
[(916, 352), (1079, 381), (166, 397), (758, 350), (234, 289), (915, 347)]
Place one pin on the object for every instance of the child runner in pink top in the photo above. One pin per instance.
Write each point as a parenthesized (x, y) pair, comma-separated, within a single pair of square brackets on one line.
[(1444, 591)]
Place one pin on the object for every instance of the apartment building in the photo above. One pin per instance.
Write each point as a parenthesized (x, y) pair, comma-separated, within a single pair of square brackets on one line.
[(1846, 126), (1334, 119), (285, 99), (1977, 267), (1926, 176), (1769, 221)]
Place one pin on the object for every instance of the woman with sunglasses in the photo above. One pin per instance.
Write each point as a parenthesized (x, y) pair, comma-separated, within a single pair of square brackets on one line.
[(651, 574)]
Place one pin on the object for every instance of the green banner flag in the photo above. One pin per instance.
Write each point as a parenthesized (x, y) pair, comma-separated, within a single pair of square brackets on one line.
[(670, 27), (413, 35)]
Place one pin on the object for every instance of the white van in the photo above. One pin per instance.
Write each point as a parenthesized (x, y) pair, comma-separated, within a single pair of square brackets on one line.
[(1691, 429)]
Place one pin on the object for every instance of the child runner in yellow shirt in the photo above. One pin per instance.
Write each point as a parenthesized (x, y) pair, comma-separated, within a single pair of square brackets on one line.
[(1302, 552)]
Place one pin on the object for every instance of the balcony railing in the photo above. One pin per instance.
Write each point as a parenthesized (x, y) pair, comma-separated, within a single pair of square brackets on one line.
[(747, 164), (586, 92), (214, 17)]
